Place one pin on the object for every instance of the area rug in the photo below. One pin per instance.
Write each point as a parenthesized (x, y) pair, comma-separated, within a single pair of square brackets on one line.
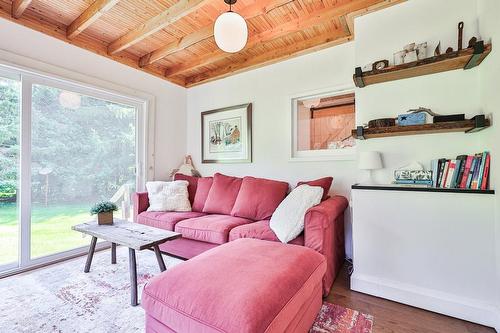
[(61, 298)]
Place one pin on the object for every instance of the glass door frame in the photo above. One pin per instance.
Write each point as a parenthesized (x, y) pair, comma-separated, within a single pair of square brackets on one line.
[(29, 78), (9, 74)]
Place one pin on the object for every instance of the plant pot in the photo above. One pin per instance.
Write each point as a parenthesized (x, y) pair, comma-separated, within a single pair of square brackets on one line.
[(105, 218)]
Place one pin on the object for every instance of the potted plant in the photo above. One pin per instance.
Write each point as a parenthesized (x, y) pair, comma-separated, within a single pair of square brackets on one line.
[(104, 211)]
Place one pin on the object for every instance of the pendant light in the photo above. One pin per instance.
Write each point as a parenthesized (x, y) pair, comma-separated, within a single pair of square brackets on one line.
[(230, 30)]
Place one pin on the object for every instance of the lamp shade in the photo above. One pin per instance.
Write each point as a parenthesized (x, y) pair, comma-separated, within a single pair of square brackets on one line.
[(230, 32), (369, 160)]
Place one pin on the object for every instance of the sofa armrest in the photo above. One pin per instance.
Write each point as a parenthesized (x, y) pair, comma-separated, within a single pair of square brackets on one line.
[(324, 233), (141, 203)]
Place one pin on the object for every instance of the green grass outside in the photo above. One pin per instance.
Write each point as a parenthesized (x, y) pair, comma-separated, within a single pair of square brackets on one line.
[(50, 229)]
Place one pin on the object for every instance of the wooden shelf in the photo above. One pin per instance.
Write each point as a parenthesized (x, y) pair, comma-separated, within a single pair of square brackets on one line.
[(463, 59), (407, 188), (475, 124)]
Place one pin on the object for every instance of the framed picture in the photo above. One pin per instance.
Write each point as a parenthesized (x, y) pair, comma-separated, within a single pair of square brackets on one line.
[(226, 135)]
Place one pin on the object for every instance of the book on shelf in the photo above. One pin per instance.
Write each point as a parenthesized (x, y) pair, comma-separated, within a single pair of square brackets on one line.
[(462, 159), (481, 171), (440, 169), (465, 172), (475, 176), (451, 173), (465, 175), (471, 172), (484, 183), (446, 169)]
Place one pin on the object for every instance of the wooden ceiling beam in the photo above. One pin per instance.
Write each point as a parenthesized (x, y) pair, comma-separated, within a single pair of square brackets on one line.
[(258, 8), (160, 21), (179, 44), (89, 16), (304, 22), (252, 62), (18, 7)]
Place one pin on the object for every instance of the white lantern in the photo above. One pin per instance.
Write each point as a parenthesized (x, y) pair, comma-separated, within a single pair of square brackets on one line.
[(230, 31)]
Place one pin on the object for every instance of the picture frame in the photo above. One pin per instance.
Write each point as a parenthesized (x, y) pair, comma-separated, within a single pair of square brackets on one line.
[(226, 135)]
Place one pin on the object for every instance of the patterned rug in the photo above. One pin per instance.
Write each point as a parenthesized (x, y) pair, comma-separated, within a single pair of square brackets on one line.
[(61, 298)]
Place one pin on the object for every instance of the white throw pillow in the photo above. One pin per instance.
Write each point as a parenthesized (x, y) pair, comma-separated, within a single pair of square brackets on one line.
[(168, 196), (287, 221)]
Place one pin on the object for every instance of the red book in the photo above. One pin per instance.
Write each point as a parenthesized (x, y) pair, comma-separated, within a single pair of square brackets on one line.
[(484, 183), (468, 164)]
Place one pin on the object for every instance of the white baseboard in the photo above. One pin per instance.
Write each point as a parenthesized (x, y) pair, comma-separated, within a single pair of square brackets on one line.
[(448, 304), (497, 326)]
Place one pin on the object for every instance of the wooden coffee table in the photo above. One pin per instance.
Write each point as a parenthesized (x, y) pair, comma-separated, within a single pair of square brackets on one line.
[(135, 236)]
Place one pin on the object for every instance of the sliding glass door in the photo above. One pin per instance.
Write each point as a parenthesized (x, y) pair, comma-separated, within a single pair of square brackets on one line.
[(82, 151), (10, 110), (63, 148)]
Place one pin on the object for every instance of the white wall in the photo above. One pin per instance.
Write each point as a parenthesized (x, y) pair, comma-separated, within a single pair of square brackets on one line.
[(56, 57), (490, 100), (270, 89)]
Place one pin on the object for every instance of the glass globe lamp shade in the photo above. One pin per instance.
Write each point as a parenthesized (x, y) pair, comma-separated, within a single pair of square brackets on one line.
[(230, 32)]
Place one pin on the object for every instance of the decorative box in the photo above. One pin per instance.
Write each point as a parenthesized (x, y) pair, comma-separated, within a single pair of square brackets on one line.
[(408, 119)]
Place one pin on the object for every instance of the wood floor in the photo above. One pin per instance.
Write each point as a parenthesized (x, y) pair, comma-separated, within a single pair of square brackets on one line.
[(392, 317)]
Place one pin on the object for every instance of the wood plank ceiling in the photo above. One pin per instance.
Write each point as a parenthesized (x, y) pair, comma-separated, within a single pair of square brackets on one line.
[(174, 39)]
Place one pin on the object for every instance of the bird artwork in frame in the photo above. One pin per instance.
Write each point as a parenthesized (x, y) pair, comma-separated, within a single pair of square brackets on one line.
[(226, 135)]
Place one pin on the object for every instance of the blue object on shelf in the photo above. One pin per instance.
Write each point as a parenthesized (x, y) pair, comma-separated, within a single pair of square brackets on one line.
[(408, 119)]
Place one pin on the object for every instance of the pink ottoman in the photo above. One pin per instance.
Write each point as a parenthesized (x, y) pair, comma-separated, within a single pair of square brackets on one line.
[(244, 286)]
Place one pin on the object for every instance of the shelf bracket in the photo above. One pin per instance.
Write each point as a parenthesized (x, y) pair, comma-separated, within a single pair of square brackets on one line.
[(358, 78), (360, 133), (476, 56), (479, 123)]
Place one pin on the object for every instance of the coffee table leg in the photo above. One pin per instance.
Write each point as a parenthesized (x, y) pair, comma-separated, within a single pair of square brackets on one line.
[(113, 253), (161, 263), (90, 255), (133, 277)]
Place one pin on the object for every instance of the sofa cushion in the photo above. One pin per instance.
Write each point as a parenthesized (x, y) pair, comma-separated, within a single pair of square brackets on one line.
[(245, 286), (209, 228), (325, 183), (168, 196), (258, 198), (165, 220), (287, 221), (192, 184), (259, 230), (222, 194), (203, 187)]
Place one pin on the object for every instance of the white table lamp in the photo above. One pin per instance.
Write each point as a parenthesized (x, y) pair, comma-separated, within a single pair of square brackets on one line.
[(369, 160)]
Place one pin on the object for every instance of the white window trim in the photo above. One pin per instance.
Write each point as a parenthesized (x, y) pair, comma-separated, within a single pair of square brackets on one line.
[(145, 120), (346, 154)]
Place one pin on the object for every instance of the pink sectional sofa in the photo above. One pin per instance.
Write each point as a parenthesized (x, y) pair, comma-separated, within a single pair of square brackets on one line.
[(222, 290), (228, 208)]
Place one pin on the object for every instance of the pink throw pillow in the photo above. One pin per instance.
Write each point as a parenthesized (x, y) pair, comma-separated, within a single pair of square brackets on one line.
[(193, 184), (258, 198), (202, 189), (222, 195), (325, 183)]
